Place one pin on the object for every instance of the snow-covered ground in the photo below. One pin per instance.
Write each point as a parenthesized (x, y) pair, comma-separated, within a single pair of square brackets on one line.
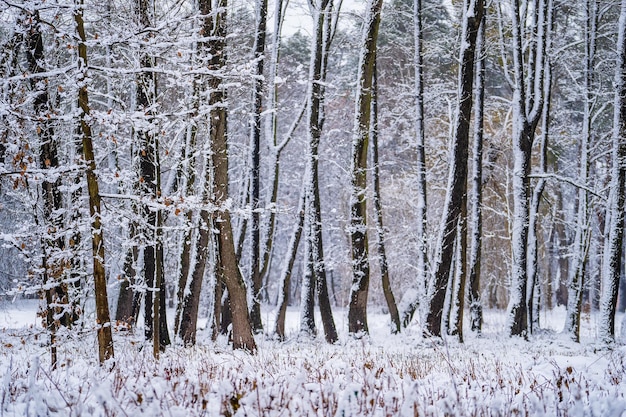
[(383, 375)]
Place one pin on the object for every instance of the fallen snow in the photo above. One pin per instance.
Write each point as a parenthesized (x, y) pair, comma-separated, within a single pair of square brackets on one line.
[(383, 375)]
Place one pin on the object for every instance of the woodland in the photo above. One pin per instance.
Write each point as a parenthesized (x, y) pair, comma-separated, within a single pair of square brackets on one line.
[(418, 162)]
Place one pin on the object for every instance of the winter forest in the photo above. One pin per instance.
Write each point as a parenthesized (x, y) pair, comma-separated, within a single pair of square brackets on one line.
[(322, 207)]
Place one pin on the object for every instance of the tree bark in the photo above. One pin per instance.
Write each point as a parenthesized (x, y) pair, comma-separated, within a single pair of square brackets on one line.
[(313, 245), (378, 213), (228, 264), (475, 256), (456, 193), (255, 139), (582, 238), (357, 311), (527, 111), (411, 305), (613, 258), (105, 339)]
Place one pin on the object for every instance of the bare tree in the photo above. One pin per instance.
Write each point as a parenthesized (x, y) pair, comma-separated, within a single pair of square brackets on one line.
[(105, 338), (476, 310), (582, 238), (528, 102), (613, 258), (357, 312), (411, 305), (255, 141), (456, 194)]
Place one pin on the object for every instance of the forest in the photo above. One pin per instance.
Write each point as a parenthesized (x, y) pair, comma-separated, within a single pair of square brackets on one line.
[(192, 170)]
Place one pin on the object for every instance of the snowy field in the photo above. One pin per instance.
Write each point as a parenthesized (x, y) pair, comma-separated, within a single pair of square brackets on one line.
[(383, 375)]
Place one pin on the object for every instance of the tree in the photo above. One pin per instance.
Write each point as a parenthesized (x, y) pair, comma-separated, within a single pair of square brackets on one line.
[(150, 190), (315, 270), (456, 191), (357, 312), (216, 188), (105, 338), (53, 244), (528, 101), (582, 238), (255, 140), (378, 212), (476, 310), (613, 258)]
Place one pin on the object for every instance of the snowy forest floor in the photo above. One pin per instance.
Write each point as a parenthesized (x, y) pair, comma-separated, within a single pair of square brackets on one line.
[(382, 375)]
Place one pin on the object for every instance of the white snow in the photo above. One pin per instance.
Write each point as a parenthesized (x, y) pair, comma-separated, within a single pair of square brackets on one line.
[(382, 375)]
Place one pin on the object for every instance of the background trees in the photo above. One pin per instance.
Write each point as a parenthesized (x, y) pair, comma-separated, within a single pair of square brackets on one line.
[(183, 155)]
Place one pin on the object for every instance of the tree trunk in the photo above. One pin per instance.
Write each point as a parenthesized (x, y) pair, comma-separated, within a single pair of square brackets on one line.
[(357, 312), (128, 299), (228, 264), (285, 278), (456, 192), (615, 224), (52, 243), (527, 111), (582, 239), (420, 228), (189, 179), (378, 213), (313, 247), (475, 256), (105, 339), (255, 139)]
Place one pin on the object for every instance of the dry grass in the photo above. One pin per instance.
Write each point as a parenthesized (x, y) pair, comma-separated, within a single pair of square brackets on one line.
[(485, 377)]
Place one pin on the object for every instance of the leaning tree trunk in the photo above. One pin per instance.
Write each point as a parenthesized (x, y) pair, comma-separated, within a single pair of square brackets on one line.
[(105, 338), (615, 224), (228, 264), (284, 281), (378, 213), (457, 187), (357, 311)]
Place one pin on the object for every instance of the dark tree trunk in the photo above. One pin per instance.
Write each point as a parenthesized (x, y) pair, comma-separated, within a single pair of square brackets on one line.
[(255, 136), (457, 188), (228, 264), (357, 310), (411, 305), (128, 299), (475, 257), (105, 339), (285, 278), (613, 259), (378, 213), (315, 275)]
